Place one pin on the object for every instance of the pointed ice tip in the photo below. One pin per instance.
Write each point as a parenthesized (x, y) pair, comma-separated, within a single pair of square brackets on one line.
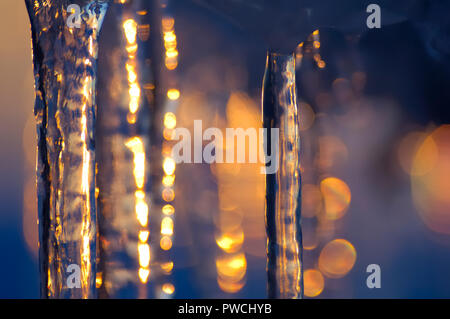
[(96, 10)]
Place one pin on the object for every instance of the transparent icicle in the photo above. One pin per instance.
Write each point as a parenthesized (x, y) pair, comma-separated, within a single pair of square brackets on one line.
[(65, 76), (283, 188)]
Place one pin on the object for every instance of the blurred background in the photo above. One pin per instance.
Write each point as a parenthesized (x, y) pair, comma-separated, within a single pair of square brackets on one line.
[(375, 128)]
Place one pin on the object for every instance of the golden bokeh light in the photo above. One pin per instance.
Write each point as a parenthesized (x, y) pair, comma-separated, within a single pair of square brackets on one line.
[(230, 287), (168, 134), (136, 146), (337, 197), (170, 120), (167, 23), (313, 282), (98, 280), (337, 258), (232, 267), (231, 241), (167, 266), (143, 236), (144, 255), (130, 28), (141, 212), (173, 94), (167, 226), (143, 275), (168, 180), (169, 166), (168, 288), (168, 194), (168, 210), (430, 180), (165, 243)]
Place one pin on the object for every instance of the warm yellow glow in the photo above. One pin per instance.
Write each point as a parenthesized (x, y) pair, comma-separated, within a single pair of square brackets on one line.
[(144, 32), (230, 287), (232, 267), (168, 288), (168, 210), (173, 94), (85, 190), (131, 118), (139, 194), (166, 150), (313, 282), (144, 255), (136, 146), (170, 120), (170, 46), (167, 226), (98, 280), (337, 197), (169, 36), (168, 23), (171, 63), (130, 28), (131, 49), (143, 236), (168, 195), (135, 91), (337, 258), (142, 212), (231, 242), (168, 134), (169, 166), (165, 243), (167, 267), (143, 275), (132, 76), (172, 53), (168, 180), (134, 105)]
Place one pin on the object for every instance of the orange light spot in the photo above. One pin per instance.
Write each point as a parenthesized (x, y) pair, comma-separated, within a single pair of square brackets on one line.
[(337, 258), (165, 243), (337, 197), (314, 283)]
